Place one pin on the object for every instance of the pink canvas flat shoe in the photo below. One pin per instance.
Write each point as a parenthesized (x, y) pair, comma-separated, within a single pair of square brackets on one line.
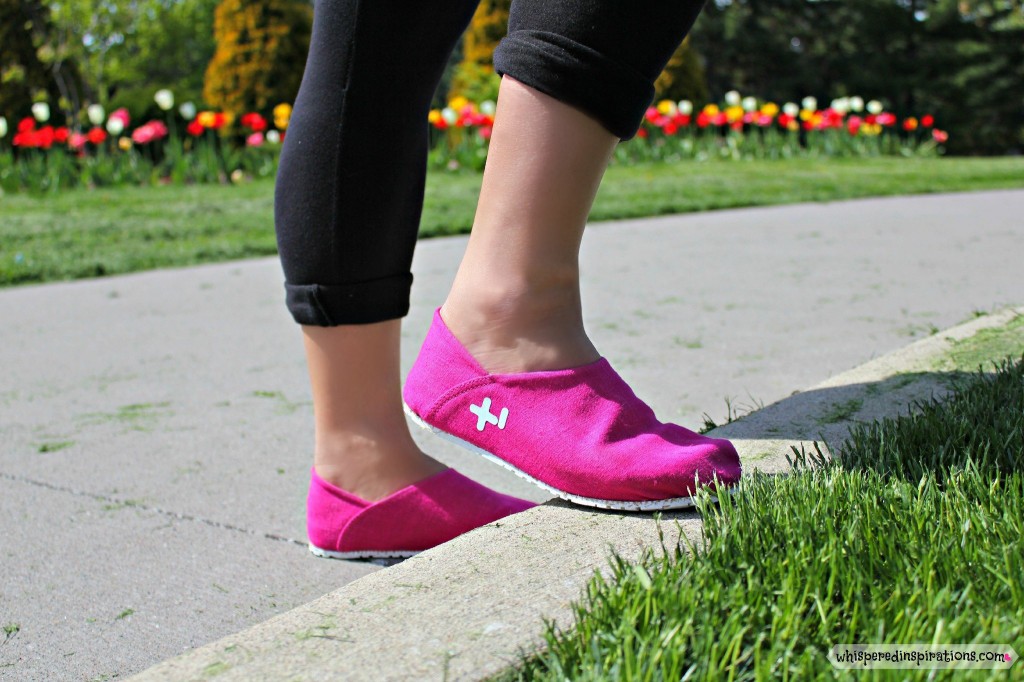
[(579, 433), (417, 517)]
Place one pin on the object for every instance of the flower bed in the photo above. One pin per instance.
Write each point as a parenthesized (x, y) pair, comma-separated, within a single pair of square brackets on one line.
[(103, 150)]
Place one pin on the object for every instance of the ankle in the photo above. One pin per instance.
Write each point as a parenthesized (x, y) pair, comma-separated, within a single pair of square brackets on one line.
[(517, 325), (371, 465)]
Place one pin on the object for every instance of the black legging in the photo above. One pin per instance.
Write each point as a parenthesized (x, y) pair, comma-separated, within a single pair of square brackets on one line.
[(349, 187)]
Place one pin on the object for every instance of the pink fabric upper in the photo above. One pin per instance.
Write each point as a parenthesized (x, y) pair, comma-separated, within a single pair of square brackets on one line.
[(413, 519), (580, 430)]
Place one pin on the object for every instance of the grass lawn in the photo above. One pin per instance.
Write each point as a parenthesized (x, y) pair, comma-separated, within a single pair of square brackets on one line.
[(915, 536), (90, 233)]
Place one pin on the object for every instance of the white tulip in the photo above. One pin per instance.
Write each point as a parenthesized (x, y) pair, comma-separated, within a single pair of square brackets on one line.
[(115, 126), (732, 98), (487, 107), (164, 99), (41, 110), (273, 137), (841, 105), (810, 103), (791, 108), (685, 107), (95, 113), (875, 107), (449, 115), (856, 104), (749, 104), (187, 111), (3, 127)]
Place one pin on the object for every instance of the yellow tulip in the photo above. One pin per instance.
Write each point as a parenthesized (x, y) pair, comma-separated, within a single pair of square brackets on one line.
[(806, 114), (667, 107), (125, 143), (206, 119), (770, 109), (457, 103), (434, 116), (734, 114), (711, 109), (283, 110)]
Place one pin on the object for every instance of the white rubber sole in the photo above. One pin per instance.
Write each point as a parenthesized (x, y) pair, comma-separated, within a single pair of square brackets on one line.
[(370, 554), (619, 505)]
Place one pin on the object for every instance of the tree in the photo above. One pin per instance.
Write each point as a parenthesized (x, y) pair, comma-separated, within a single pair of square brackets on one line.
[(34, 62), (93, 31), (683, 76), (261, 48), (474, 76), (170, 46), (961, 60)]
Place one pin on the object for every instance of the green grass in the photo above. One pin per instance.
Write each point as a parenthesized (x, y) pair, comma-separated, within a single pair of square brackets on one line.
[(915, 535), (974, 351), (93, 233)]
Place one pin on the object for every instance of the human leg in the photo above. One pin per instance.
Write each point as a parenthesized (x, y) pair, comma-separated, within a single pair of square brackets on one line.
[(578, 77), (348, 197), (507, 367)]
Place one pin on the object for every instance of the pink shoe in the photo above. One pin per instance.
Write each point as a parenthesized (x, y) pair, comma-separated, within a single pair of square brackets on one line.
[(417, 517), (579, 433)]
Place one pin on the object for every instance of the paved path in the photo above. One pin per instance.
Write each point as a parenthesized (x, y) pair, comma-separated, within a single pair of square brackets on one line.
[(155, 429)]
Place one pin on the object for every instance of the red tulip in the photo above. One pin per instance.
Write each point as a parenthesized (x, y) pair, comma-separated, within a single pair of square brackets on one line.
[(194, 128), (642, 132), (44, 137), (254, 122), (60, 135), (670, 128), (96, 135), (927, 120), (940, 136), (26, 124)]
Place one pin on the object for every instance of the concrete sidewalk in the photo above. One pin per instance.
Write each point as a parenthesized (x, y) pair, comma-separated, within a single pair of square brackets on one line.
[(156, 429), (468, 609)]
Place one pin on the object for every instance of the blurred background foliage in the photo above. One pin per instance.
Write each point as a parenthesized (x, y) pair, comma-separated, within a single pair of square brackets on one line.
[(960, 60)]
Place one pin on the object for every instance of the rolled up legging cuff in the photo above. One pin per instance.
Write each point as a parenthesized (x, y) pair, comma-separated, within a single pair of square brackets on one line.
[(328, 305), (613, 93)]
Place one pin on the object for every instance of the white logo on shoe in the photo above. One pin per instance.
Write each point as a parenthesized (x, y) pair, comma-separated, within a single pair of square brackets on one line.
[(485, 417)]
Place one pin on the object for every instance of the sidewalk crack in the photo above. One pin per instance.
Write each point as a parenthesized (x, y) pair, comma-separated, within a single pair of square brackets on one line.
[(159, 510)]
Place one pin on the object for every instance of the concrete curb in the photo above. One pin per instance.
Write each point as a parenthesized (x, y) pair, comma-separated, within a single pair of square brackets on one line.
[(465, 610)]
